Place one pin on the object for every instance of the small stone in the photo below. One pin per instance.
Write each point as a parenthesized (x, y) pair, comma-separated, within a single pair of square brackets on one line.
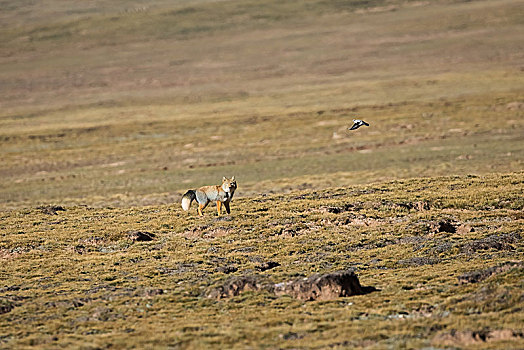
[(227, 269), (267, 266), (463, 229), (153, 292), (418, 261), (140, 236), (50, 209)]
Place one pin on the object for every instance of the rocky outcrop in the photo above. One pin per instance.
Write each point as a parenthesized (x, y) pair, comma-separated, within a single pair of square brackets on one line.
[(322, 286), (474, 338), (480, 275), (495, 241), (234, 286), (317, 287)]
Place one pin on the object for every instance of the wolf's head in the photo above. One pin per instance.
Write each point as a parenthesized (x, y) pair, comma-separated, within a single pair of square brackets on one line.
[(229, 185)]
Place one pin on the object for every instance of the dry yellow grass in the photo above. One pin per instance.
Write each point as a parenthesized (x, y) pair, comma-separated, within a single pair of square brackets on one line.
[(79, 278)]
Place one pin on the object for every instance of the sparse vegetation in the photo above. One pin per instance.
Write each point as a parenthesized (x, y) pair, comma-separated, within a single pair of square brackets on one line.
[(110, 111)]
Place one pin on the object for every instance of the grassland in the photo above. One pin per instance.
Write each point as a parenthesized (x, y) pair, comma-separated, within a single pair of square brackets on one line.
[(158, 109), (77, 278), (111, 110)]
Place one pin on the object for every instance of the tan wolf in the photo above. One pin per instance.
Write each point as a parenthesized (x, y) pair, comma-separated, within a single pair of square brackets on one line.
[(219, 193)]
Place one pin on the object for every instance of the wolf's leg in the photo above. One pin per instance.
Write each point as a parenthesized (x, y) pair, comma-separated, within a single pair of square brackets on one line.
[(226, 204), (219, 206), (200, 208)]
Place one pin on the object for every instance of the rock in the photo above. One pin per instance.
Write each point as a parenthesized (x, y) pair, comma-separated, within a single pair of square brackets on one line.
[(217, 232), (418, 261), (227, 269), (9, 289), (290, 336), (80, 248), (153, 292), (495, 241), (463, 229), (6, 307), (479, 275), (317, 287), (504, 334), (67, 303), (103, 314), (421, 206), (446, 226), (322, 287), (514, 106), (267, 266), (418, 206), (337, 210), (442, 226), (234, 286), (51, 209), (140, 236), (443, 247), (460, 337), (466, 338)]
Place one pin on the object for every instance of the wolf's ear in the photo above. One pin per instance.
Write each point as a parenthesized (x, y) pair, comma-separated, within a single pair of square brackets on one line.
[(233, 178), (224, 179)]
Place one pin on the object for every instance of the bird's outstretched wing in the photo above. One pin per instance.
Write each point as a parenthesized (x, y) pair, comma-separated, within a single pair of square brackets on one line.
[(357, 124)]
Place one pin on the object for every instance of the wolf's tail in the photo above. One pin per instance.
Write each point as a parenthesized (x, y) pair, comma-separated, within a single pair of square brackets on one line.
[(187, 199)]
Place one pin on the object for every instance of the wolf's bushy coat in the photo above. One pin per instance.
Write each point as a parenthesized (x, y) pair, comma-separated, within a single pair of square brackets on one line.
[(222, 194)]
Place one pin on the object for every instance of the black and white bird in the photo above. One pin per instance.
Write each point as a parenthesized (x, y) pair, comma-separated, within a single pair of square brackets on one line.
[(357, 123)]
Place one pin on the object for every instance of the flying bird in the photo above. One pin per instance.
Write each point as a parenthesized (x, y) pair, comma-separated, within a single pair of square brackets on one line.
[(357, 124)]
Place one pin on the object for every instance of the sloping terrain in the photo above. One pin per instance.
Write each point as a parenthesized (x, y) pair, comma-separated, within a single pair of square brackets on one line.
[(445, 255), (101, 104), (110, 110)]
